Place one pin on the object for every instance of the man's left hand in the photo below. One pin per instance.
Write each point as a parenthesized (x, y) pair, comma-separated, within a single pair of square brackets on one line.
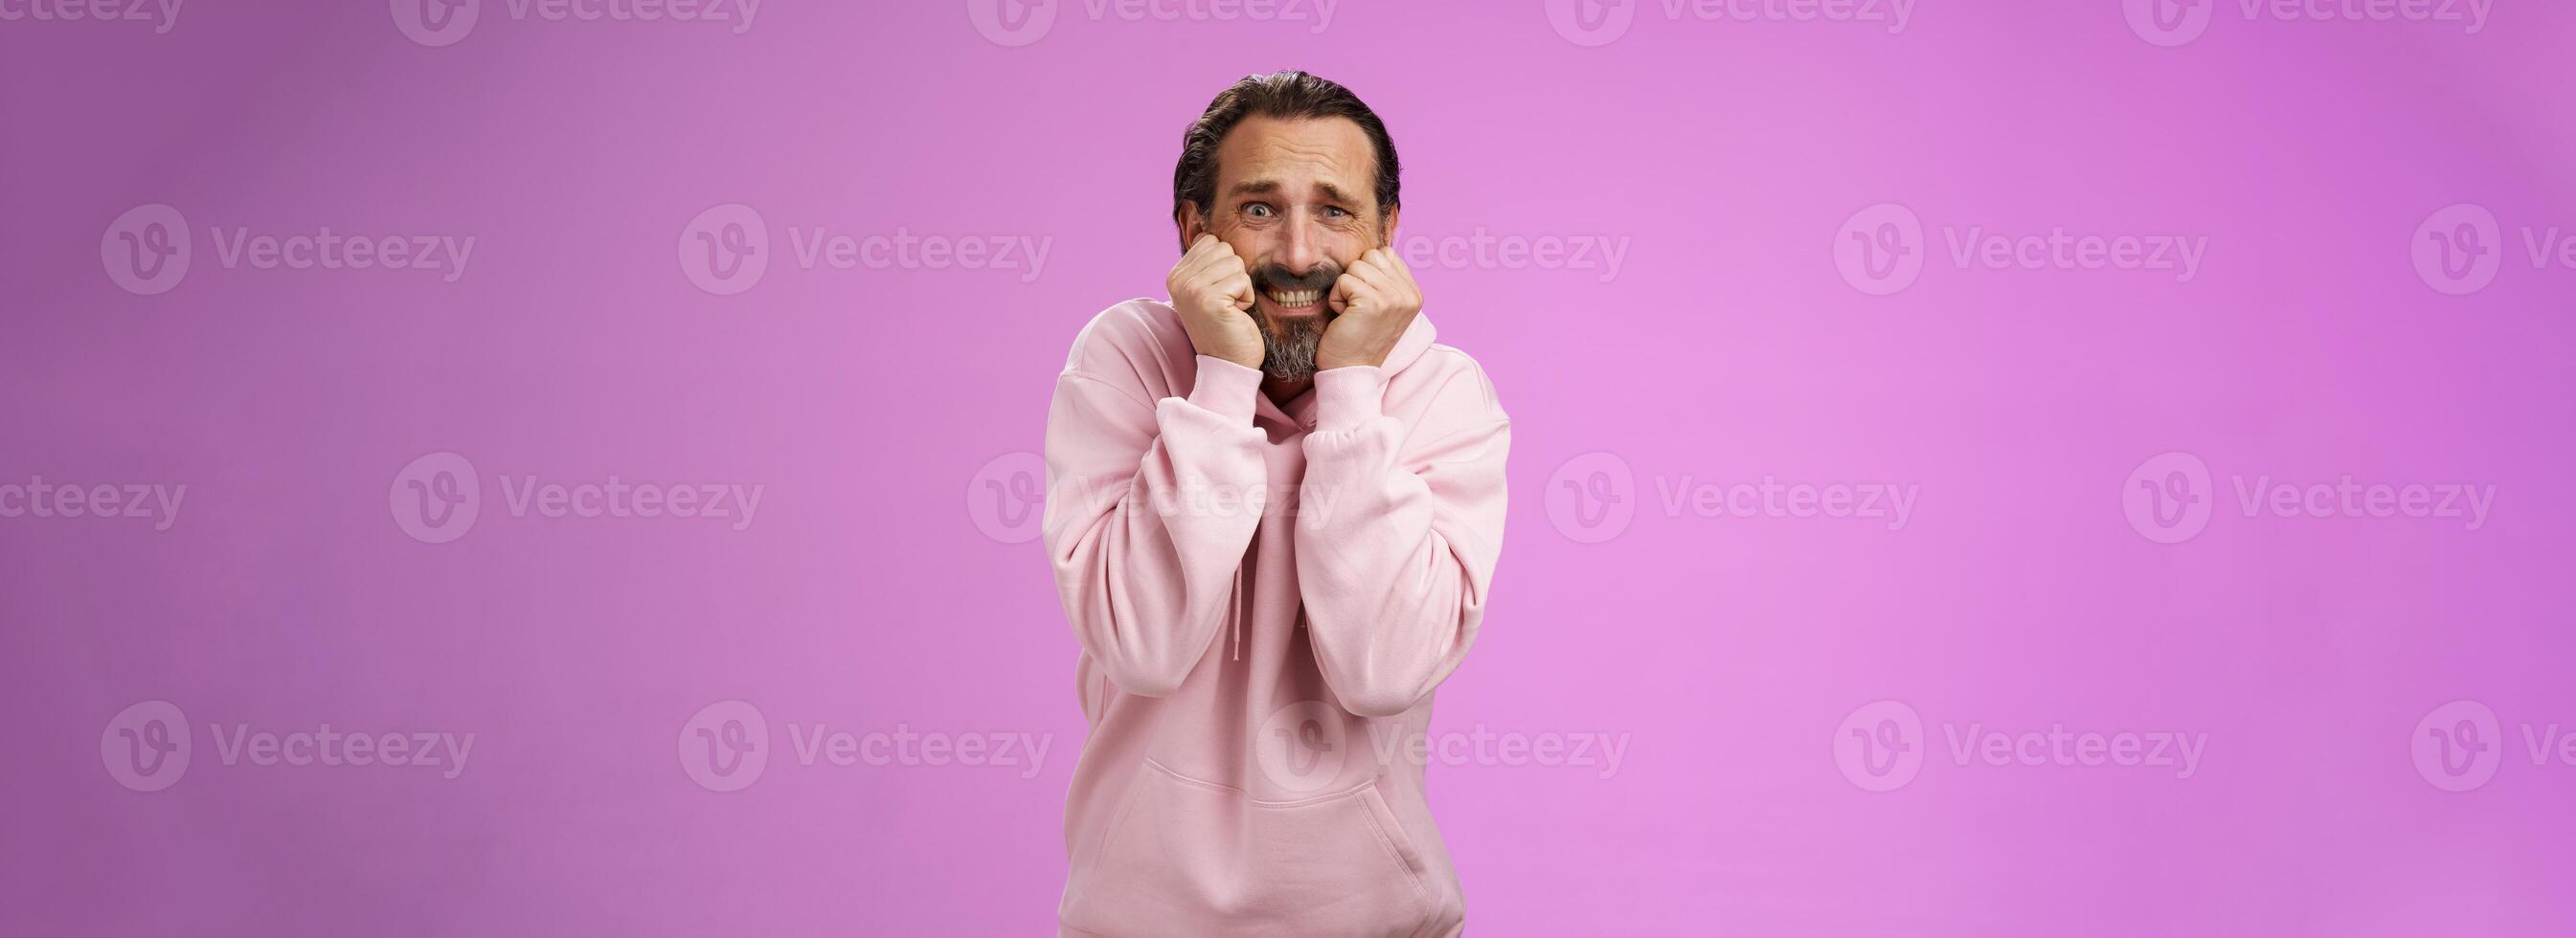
[(1373, 301)]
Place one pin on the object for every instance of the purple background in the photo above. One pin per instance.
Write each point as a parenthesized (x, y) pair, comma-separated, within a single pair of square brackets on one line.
[(879, 587)]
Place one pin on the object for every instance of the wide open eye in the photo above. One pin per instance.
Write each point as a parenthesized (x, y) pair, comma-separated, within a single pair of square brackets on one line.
[(1258, 209)]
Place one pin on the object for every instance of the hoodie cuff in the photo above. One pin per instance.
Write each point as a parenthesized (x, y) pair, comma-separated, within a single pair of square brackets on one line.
[(1226, 388), (1347, 397)]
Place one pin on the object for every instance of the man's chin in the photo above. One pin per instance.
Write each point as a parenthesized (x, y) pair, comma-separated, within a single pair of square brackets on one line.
[(1289, 341)]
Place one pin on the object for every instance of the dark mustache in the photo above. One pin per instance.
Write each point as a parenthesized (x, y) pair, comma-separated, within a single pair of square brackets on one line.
[(1270, 278)]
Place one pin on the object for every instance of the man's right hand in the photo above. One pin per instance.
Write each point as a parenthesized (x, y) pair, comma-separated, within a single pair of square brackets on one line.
[(1213, 294)]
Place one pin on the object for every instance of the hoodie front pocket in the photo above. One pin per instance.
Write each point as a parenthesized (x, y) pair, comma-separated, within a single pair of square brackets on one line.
[(1187, 857)]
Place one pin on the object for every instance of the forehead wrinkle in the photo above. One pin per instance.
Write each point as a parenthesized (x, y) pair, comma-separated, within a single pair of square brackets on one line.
[(1284, 148)]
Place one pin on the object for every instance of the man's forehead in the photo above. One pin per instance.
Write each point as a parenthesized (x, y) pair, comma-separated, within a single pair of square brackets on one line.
[(1330, 156)]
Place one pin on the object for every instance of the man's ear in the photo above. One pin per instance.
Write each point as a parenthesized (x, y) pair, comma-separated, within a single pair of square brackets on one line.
[(1186, 218), (1387, 237)]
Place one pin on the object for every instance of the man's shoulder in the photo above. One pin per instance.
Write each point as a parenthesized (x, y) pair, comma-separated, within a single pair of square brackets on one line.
[(1451, 382), (1137, 347), (1128, 335)]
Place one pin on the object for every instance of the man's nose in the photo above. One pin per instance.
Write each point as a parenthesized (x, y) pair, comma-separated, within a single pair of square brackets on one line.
[(1300, 249)]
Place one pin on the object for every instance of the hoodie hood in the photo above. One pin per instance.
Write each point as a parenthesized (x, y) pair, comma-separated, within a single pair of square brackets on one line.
[(1417, 339), (1409, 348)]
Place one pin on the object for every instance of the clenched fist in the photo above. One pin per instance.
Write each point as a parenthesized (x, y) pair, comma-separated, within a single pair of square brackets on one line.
[(1375, 299), (1213, 294)]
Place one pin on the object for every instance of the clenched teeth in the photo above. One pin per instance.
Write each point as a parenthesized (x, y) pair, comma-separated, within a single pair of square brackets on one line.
[(1296, 298)]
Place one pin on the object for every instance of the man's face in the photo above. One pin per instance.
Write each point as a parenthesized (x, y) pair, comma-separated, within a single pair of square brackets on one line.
[(1296, 199)]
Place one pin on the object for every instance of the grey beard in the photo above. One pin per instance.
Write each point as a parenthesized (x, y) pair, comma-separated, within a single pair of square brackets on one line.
[(1288, 351)]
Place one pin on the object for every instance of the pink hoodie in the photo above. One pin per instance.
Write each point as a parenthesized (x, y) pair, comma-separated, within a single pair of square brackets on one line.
[(1266, 601)]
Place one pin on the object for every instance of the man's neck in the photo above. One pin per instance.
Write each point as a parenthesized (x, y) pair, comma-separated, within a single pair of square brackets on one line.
[(1281, 390)]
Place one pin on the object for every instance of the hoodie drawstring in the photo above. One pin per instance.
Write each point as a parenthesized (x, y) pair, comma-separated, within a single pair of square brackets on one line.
[(1234, 609)]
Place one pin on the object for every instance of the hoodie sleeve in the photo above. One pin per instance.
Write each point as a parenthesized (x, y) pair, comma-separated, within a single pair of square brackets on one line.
[(1147, 517), (1396, 542)]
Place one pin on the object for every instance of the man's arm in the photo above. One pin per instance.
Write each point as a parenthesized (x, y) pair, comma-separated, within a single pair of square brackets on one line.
[(1144, 558), (1395, 550), (1145, 551)]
